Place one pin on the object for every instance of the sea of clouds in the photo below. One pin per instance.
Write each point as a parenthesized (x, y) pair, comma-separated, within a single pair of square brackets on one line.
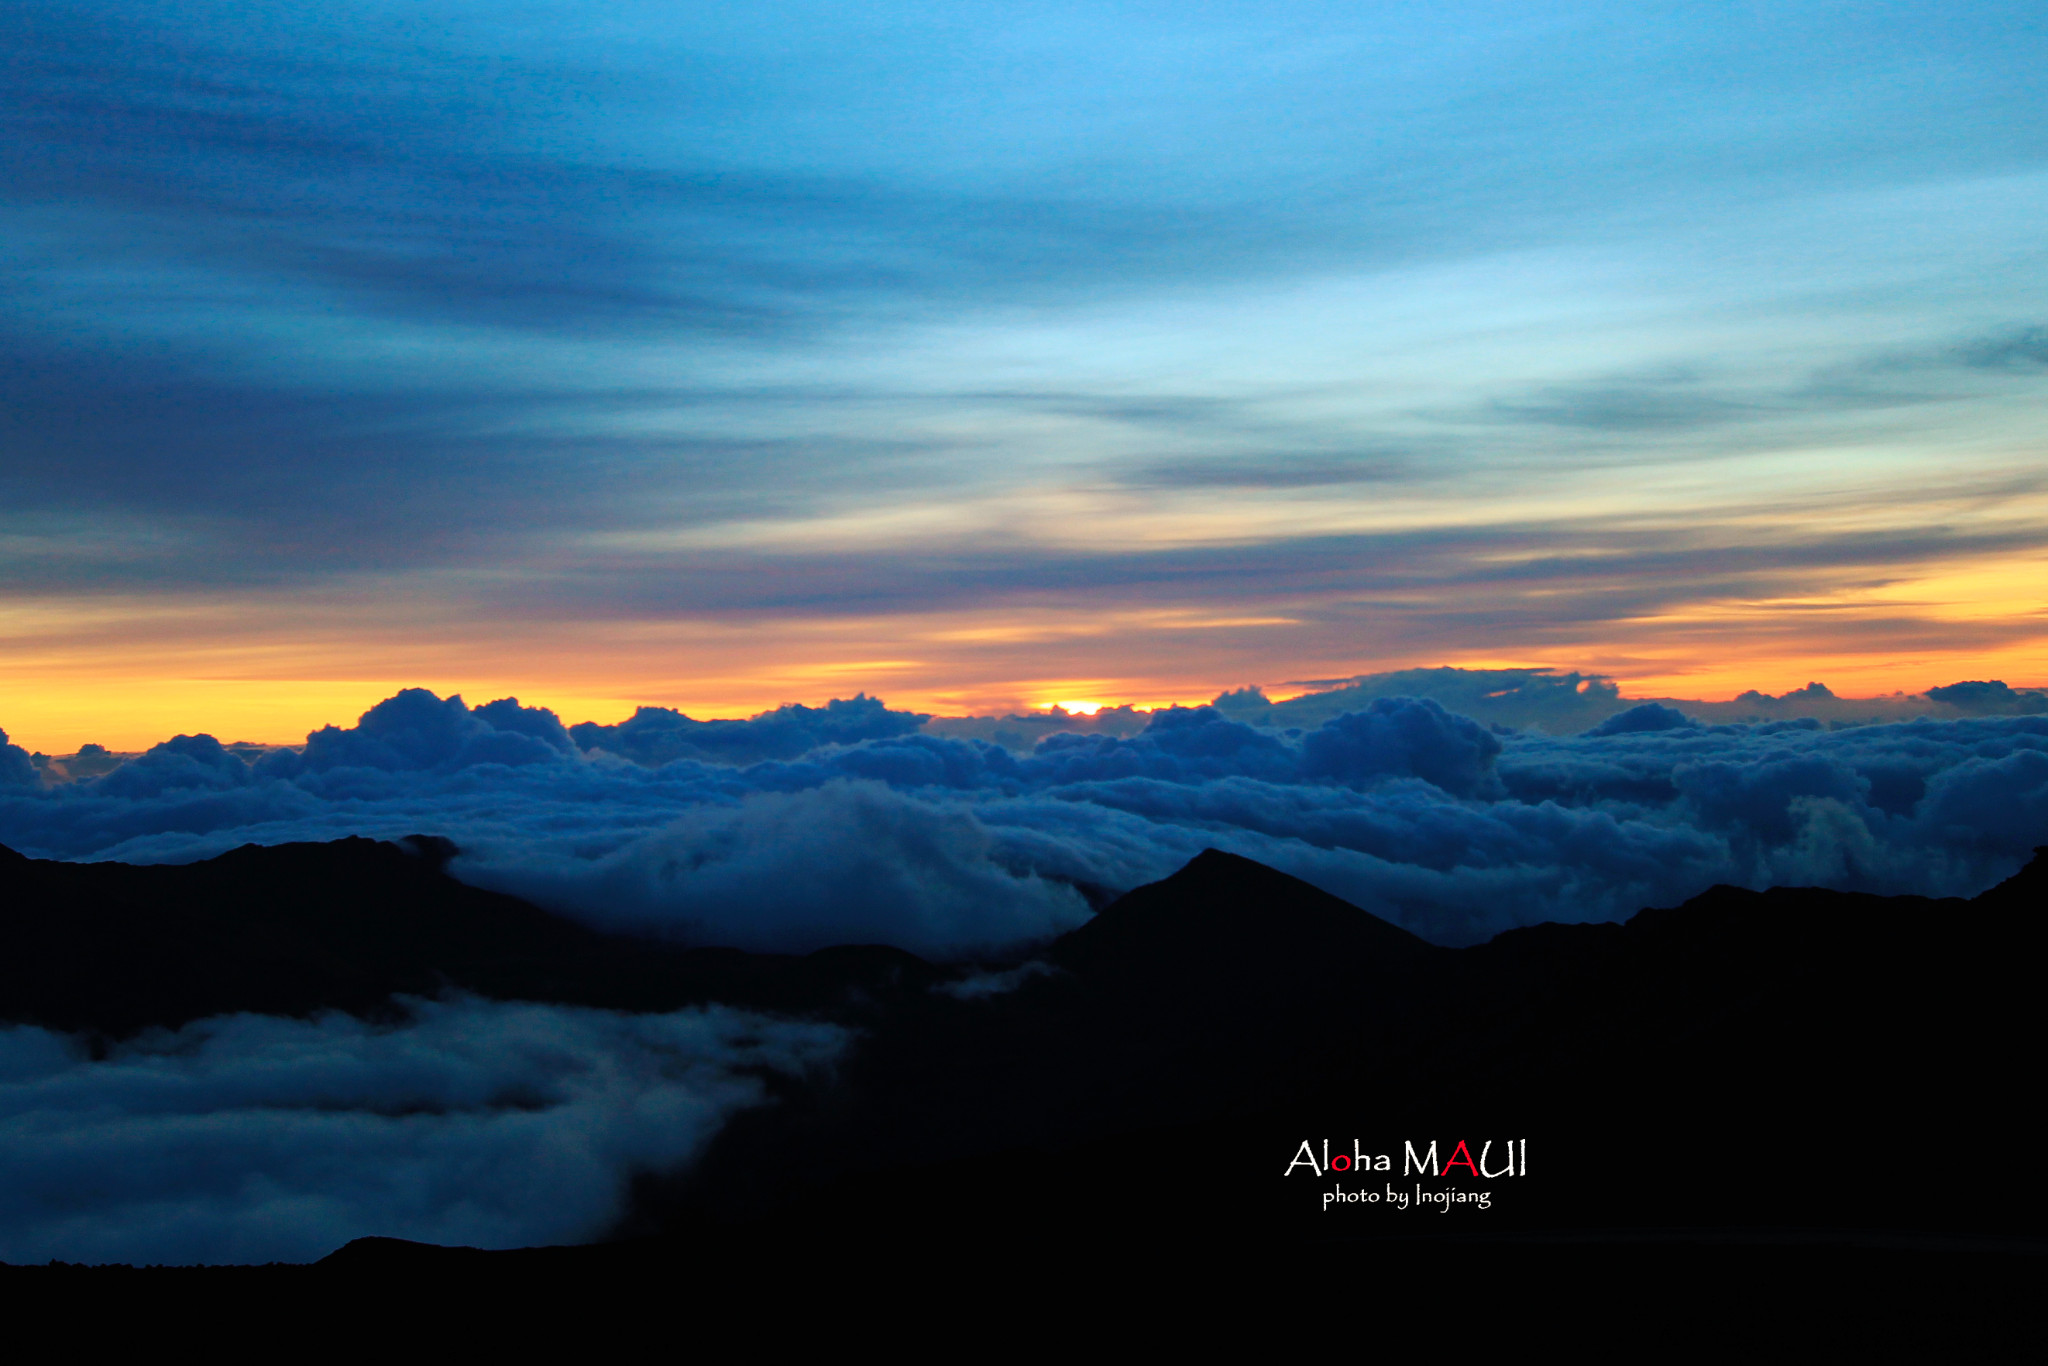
[(248, 1138), (848, 824), (252, 1139)]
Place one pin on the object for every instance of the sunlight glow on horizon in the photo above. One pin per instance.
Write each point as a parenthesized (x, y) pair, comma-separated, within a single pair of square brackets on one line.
[(131, 714), (721, 360)]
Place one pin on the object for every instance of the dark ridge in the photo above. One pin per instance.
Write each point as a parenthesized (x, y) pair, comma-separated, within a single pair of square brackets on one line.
[(1780, 1060), (396, 1252), (2024, 893), (1754, 1067), (294, 929), (1221, 912)]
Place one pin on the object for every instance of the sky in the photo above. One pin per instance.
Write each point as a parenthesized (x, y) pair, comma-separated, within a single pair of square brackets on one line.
[(979, 357)]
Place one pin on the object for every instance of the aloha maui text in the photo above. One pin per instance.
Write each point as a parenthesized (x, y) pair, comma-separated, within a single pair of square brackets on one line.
[(1512, 1160)]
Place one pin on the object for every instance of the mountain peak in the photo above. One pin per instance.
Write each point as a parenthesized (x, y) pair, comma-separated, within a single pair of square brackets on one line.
[(1221, 909)]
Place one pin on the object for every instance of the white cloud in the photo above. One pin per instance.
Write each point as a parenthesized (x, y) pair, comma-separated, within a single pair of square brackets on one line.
[(248, 1138)]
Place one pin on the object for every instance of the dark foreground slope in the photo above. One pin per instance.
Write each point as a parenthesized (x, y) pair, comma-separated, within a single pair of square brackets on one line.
[(109, 948), (1786, 1065), (1786, 1070)]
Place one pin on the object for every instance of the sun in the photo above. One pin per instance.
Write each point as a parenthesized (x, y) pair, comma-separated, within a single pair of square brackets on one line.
[(1079, 708)]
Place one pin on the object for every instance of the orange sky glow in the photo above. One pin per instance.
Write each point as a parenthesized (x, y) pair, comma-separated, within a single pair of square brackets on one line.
[(128, 678)]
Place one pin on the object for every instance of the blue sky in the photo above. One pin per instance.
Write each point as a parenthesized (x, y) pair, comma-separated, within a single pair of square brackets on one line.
[(977, 356)]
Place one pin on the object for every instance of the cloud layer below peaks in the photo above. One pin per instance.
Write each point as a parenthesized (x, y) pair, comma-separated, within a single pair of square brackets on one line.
[(805, 827)]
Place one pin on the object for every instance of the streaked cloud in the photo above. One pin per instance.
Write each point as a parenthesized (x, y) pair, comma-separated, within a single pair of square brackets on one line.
[(432, 328)]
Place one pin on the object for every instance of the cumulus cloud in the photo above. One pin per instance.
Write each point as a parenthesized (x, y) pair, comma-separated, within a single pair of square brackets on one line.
[(660, 735), (1758, 797), (1558, 703), (1648, 716), (17, 769), (191, 763), (847, 862), (416, 730), (957, 848), (1993, 803), (1990, 697), (249, 1138), (1403, 736), (1180, 744)]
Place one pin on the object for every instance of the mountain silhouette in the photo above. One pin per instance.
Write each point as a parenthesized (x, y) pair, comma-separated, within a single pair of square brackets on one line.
[(1774, 1068), (293, 929)]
